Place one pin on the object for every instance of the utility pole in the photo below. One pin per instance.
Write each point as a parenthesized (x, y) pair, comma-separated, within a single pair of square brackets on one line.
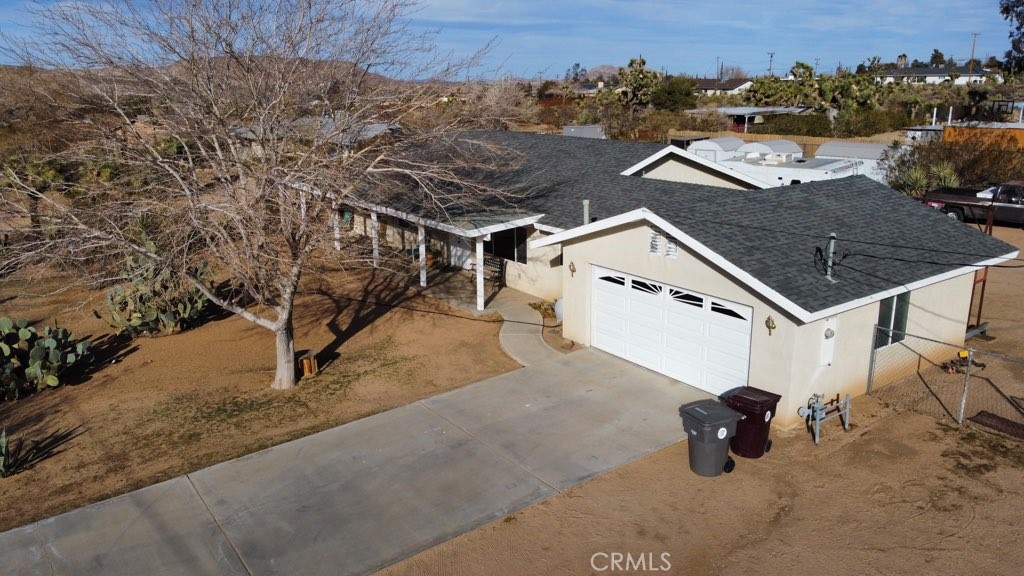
[(970, 63), (718, 69), (816, 62), (771, 56)]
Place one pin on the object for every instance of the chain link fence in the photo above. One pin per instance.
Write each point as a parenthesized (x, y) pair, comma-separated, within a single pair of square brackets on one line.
[(948, 381)]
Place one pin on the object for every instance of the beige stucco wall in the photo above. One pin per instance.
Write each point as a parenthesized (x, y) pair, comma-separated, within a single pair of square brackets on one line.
[(938, 312), (625, 249), (788, 361), (541, 275), (676, 171)]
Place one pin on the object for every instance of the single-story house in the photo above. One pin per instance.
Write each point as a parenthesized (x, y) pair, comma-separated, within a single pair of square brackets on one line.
[(720, 287), (745, 116), (959, 75), (714, 86)]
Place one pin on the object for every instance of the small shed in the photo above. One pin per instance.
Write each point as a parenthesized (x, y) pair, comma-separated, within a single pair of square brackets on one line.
[(767, 147), (716, 149)]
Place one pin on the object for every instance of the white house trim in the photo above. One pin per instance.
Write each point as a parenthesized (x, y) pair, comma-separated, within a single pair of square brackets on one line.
[(645, 215), (465, 232), (548, 229), (713, 166), (911, 286)]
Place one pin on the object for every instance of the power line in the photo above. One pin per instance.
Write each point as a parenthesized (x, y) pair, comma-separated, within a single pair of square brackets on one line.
[(915, 261), (930, 249)]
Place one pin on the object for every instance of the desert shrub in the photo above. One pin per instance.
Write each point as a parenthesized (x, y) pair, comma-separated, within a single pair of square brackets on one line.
[(794, 125), (869, 122), (704, 122), (32, 359)]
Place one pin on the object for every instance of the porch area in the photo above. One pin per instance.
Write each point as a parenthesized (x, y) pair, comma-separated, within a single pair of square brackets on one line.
[(458, 287)]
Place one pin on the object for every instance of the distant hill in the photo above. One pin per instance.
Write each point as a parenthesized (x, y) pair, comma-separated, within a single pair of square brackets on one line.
[(604, 70)]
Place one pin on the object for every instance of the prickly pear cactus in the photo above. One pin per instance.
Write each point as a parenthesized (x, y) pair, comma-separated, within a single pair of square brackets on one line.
[(154, 302), (33, 359)]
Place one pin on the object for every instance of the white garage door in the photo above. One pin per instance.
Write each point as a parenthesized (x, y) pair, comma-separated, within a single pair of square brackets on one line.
[(698, 339)]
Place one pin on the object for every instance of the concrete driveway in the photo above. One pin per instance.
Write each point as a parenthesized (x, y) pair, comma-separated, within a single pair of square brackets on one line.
[(359, 497)]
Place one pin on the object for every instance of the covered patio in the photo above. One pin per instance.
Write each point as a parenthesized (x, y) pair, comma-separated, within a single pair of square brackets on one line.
[(463, 238)]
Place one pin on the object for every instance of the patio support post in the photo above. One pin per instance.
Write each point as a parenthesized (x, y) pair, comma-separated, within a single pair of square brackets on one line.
[(336, 228), (480, 273), (422, 238), (374, 232)]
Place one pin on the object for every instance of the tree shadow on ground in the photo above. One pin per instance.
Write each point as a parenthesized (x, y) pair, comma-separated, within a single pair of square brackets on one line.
[(105, 350), (381, 292)]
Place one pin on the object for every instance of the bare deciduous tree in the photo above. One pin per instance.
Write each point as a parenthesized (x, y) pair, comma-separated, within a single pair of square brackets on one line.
[(238, 129)]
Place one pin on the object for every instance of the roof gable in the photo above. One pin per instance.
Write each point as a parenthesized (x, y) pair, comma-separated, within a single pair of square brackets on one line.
[(686, 157)]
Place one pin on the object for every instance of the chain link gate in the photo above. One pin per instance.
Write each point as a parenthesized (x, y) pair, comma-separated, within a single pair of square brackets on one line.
[(948, 381)]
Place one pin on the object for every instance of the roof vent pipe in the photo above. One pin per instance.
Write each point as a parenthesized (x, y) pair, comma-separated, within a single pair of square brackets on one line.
[(586, 211), (830, 256)]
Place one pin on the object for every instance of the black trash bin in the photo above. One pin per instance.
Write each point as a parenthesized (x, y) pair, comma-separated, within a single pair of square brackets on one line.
[(751, 439), (709, 425)]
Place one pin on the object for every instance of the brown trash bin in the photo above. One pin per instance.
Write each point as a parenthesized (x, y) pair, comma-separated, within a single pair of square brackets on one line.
[(751, 439)]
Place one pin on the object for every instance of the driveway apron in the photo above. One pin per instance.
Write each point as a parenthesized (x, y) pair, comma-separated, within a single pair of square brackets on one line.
[(356, 498)]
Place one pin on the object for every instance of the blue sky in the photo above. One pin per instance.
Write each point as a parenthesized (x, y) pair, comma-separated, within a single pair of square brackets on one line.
[(686, 36), (546, 37)]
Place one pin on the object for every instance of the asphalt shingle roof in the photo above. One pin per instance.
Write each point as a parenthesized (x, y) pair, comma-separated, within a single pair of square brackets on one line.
[(885, 239)]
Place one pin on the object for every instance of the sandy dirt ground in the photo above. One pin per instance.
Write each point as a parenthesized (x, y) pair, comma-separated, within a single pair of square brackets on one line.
[(900, 493), (160, 407)]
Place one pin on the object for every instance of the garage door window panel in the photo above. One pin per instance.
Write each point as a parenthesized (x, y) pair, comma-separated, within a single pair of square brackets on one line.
[(686, 298), (726, 311)]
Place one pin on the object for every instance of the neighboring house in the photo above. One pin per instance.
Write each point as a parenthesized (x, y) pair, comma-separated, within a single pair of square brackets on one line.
[(743, 117), (959, 75), (714, 86), (720, 287), (868, 154)]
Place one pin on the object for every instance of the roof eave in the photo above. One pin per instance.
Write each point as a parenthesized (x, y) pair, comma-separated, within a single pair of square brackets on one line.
[(744, 277), (447, 227)]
